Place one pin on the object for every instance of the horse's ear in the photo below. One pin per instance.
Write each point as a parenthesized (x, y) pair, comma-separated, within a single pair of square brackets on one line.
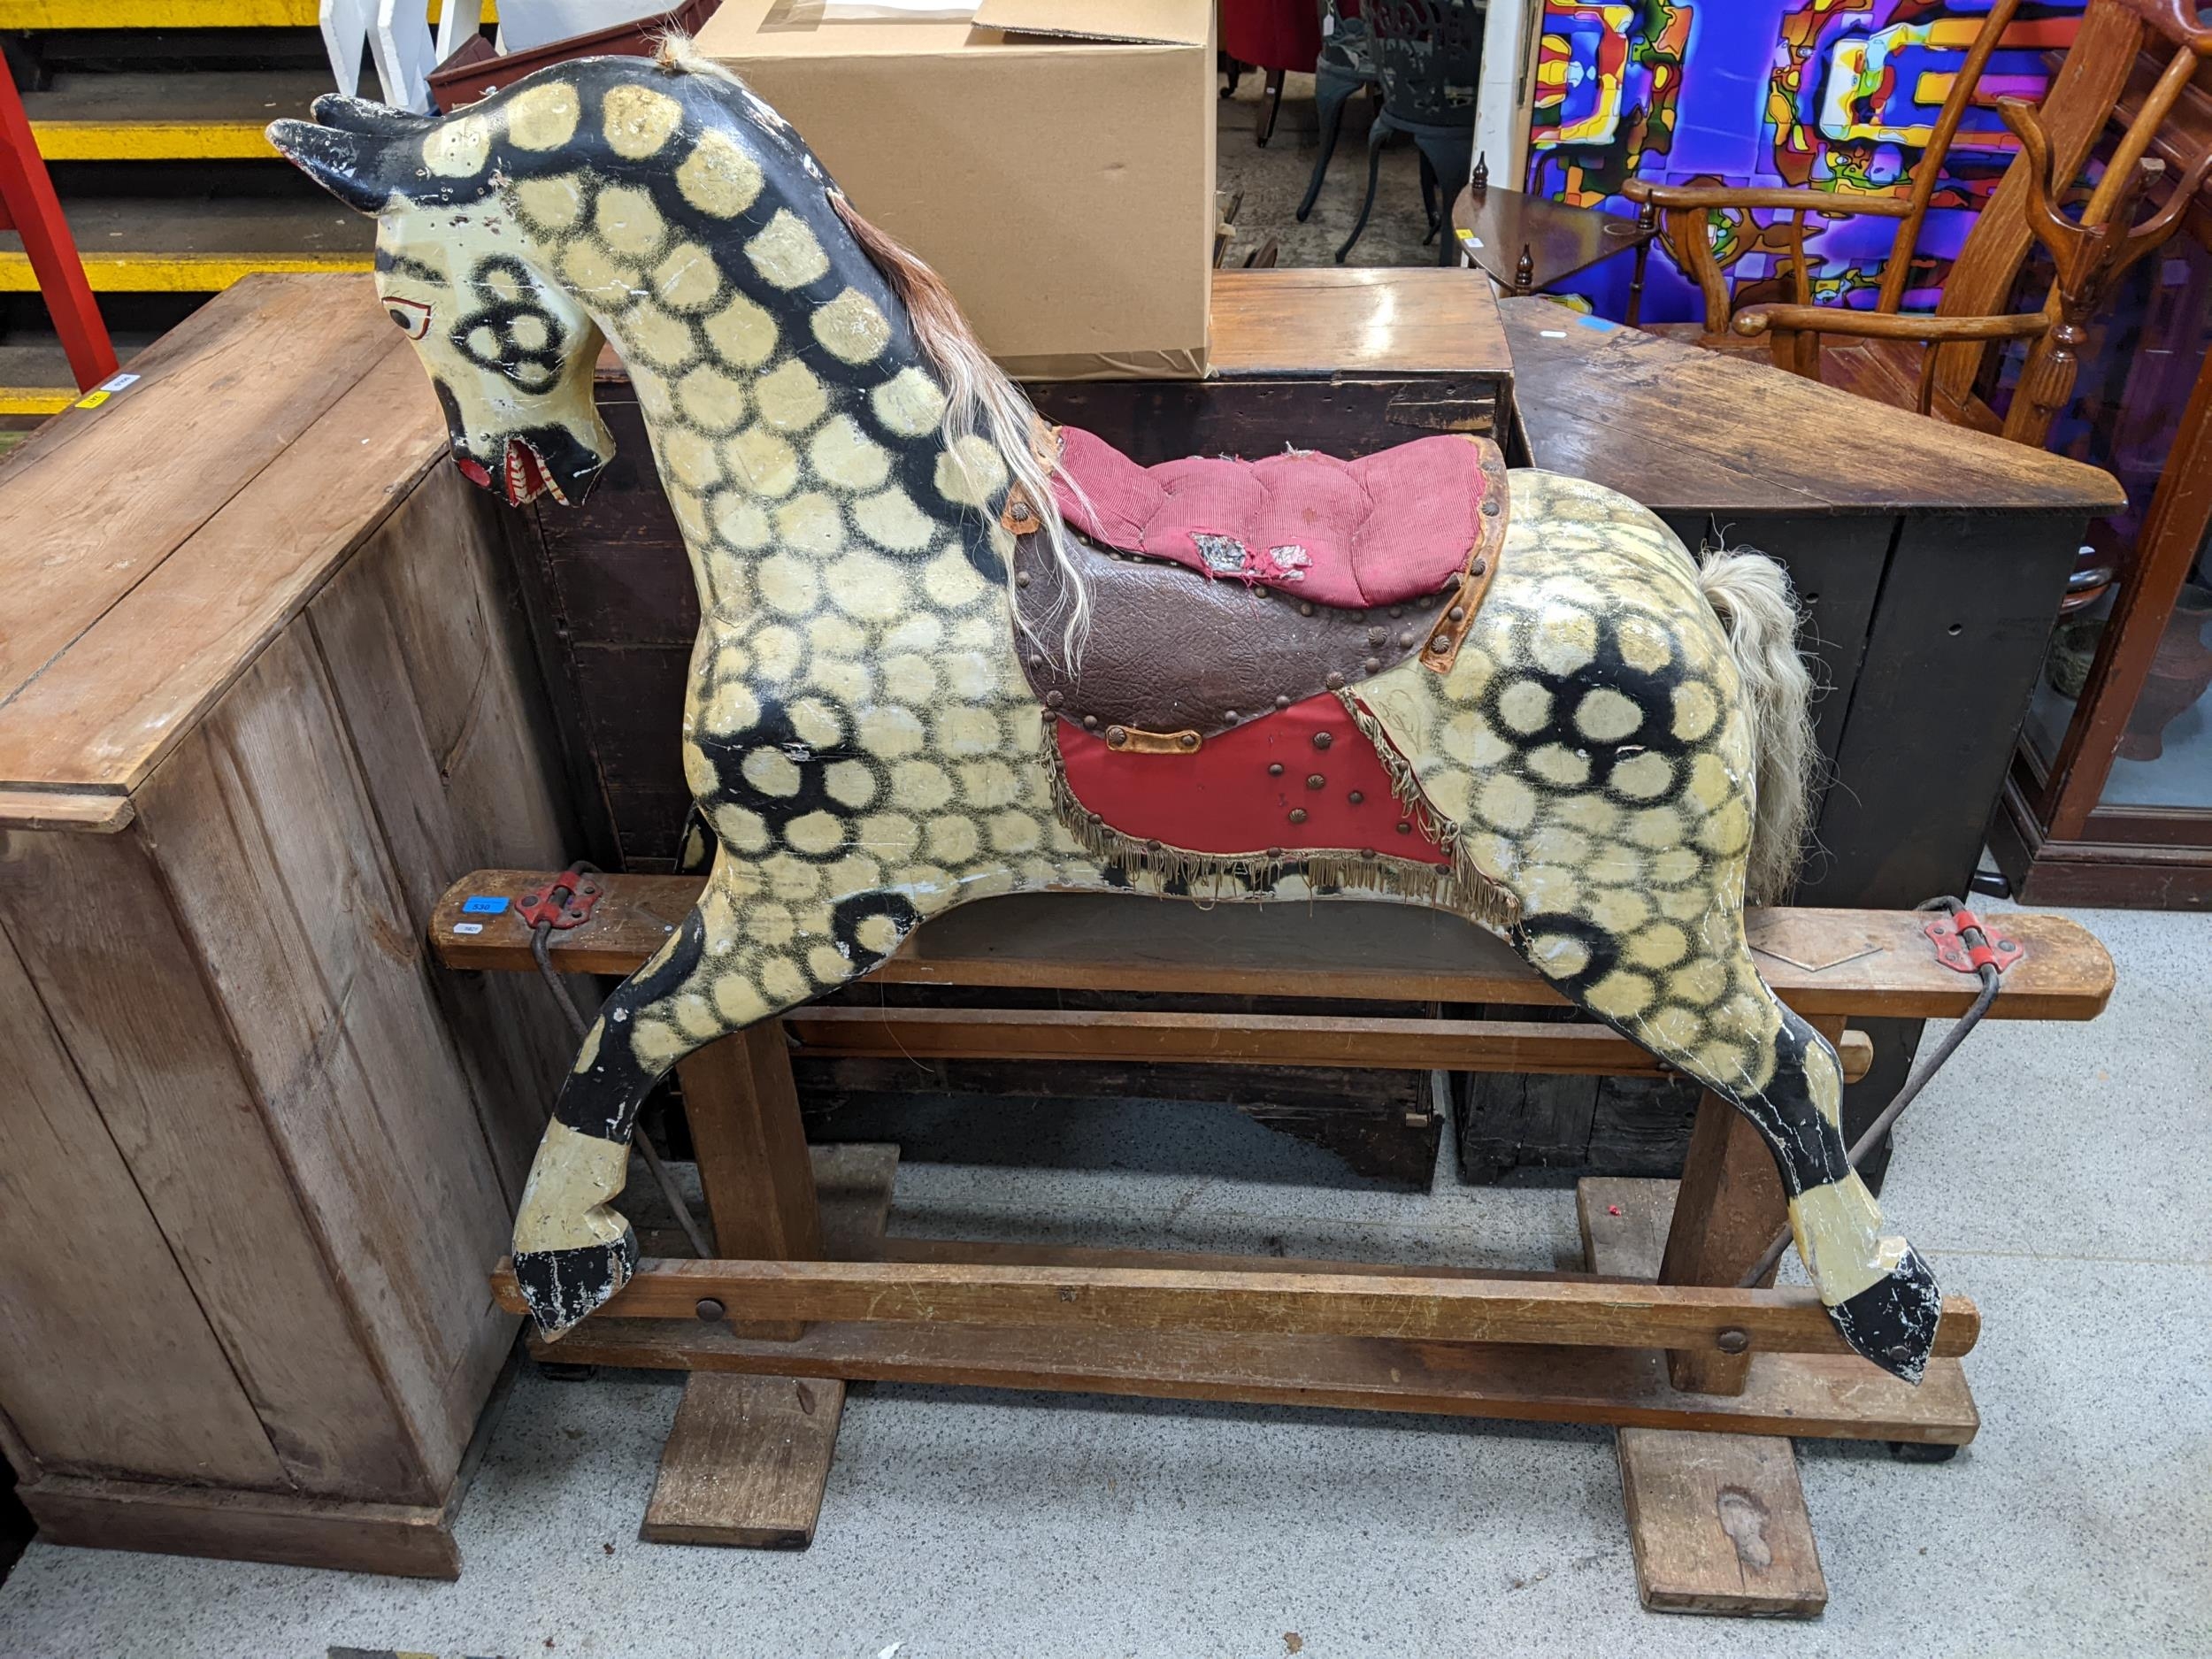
[(353, 166), (370, 120)]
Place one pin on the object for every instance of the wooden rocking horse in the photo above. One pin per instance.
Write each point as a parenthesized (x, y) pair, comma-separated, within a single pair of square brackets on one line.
[(946, 653)]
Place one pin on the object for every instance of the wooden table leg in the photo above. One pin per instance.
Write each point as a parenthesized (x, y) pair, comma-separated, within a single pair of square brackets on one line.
[(748, 1456), (1718, 1522), (1647, 223)]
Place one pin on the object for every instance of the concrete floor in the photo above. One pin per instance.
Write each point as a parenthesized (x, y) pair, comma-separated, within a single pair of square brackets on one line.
[(2054, 1172)]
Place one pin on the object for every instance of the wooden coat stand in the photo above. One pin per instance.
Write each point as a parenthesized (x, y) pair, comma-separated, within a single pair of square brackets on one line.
[(809, 1290)]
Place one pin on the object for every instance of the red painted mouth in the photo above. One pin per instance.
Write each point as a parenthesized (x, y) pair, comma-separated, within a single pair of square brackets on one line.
[(523, 475)]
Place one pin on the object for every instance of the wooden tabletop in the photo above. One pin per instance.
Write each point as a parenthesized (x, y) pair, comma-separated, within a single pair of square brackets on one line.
[(1561, 238), (1385, 321), (1380, 322), (1684, 430), (151, 546)]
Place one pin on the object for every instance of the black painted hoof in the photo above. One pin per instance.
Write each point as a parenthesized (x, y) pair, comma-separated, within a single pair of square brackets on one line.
[(562, 1286), (1893, 1322)]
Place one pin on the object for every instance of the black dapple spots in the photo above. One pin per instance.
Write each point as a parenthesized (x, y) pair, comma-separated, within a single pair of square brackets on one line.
[(601, 1097)]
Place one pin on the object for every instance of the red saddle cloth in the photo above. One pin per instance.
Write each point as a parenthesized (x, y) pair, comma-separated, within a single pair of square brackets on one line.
[(1304, 780), (1379, 531)]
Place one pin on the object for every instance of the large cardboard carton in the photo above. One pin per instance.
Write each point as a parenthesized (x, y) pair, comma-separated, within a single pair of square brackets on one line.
[(1053, 160)]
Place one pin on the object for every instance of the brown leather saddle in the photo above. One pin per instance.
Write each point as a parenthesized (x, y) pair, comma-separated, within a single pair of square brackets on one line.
[(1222, 591)]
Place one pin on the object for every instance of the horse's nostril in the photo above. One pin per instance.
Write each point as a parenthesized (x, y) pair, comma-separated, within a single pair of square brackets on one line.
[(475, 472)]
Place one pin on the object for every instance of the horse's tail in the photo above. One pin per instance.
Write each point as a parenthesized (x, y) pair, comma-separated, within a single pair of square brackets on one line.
[(1751, 595)]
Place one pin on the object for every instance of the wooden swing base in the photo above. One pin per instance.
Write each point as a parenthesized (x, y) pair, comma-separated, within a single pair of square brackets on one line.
[(1702, 1380)]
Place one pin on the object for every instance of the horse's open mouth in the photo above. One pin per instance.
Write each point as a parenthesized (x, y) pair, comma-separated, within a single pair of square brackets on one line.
[(524, 476)]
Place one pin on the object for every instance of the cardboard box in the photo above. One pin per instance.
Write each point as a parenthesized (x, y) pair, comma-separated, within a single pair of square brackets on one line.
[(1053, 159)]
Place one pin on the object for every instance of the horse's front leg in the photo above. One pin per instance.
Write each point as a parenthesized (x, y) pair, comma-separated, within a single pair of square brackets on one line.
[(742, 955)]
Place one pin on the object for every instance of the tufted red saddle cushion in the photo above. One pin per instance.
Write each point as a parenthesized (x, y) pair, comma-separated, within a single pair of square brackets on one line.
[(1378, 531)]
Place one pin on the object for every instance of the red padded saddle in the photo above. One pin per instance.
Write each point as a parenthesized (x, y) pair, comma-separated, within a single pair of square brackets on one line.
[(1384, 530), (1214, 726)]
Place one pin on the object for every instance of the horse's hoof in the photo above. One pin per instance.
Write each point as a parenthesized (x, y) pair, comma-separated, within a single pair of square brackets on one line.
[(1892, 1321), (562, 1286)]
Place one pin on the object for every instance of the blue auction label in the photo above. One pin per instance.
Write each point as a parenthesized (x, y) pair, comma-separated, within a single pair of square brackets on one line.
[(480, 906)]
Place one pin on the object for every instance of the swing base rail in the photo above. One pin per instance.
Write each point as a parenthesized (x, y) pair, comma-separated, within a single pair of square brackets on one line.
[(1532, 1346)]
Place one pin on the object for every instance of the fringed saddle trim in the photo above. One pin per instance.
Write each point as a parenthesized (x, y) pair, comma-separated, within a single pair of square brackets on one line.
[(1458, 887), (1494, 903)]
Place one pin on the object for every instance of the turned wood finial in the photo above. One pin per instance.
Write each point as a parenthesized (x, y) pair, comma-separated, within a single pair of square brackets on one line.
[(1481, 181), (1525, 272)]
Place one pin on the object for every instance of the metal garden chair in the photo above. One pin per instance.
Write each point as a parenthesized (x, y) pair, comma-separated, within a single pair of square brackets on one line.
[(1428, 54)]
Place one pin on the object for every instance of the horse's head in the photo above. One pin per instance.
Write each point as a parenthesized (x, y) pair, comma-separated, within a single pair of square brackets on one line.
[(510, 351)]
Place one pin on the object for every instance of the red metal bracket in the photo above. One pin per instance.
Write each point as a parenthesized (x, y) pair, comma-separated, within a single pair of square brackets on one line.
[(28, 204), (1947, 935), (566, 902)]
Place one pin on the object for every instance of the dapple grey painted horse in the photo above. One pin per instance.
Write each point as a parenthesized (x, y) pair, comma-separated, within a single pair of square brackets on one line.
[(1610, 749)]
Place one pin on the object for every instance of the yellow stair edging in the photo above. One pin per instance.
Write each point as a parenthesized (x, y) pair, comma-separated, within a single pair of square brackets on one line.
[(171, 14), (179, 273), (36, 400), (151, 140)]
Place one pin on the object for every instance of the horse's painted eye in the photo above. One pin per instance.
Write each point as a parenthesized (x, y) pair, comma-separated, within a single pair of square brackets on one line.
[(412, 316)]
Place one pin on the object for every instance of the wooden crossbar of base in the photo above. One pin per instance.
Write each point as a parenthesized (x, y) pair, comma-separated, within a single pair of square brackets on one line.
[(1251, 1299), (1702, 1380), (1200, 1039)]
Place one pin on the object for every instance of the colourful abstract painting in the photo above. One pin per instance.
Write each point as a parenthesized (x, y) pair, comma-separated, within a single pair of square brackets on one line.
[(1827, 95)]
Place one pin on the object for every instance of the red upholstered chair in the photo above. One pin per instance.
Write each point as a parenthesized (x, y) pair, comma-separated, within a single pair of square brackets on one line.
[(1274, 36)]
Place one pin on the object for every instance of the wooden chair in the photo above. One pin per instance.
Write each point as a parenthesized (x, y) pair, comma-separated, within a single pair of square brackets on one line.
[(1688, 227), (1930, 362)]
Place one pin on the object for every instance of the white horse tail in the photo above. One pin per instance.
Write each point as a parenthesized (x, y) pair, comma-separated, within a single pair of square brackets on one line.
[(1751, 594)]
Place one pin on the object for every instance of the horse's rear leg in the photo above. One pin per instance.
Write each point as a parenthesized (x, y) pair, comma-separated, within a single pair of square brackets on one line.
[(1691, 994)]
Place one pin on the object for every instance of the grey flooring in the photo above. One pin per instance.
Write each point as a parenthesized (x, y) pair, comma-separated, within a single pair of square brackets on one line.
[(2056, 1173)]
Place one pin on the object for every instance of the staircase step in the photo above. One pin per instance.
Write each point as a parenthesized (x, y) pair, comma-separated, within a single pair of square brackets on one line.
[(172, 245), (34, 376), (200, 115)]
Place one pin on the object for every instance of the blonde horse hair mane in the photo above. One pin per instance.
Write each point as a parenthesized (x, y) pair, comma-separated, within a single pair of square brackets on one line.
[(980, 399)]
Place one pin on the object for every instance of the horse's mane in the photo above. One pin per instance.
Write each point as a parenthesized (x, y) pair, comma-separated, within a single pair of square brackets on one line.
[(980, 399)]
